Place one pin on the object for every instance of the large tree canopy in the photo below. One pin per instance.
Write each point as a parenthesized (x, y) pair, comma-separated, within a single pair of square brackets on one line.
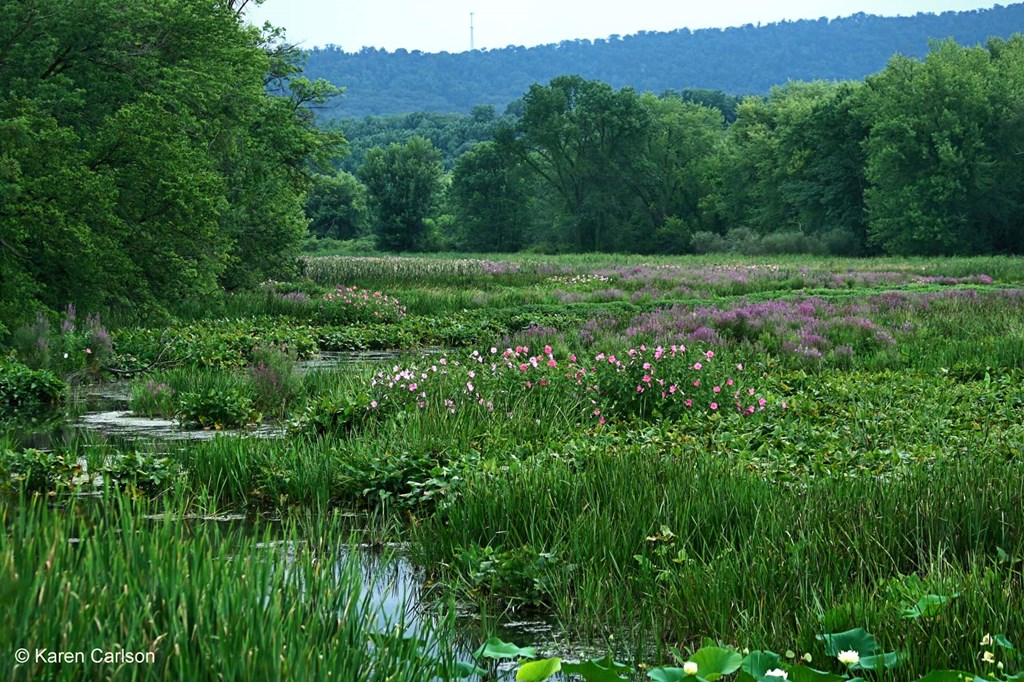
[(142, 158)]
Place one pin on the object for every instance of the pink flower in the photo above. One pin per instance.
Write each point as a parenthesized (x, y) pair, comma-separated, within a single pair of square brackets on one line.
[(714, 406), (88, 351), (547, 350), (696, 382), (710, 354), (672, 388), (697, 366), (717, 389), (728, 382), (469, 385), (688, 403), (572, 358), (443, 361), (750, 391), (552, 363), (373, 403), (647, 379), (740, 367), (523, 367), (783, 404)]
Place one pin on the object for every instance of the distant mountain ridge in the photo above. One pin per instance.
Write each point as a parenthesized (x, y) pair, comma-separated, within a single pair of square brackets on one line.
[(741, 60)]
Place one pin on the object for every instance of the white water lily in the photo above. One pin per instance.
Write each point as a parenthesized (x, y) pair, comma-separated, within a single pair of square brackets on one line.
[(690, 668), (849, 657), (777, 672), (986, 640), (988, 657)]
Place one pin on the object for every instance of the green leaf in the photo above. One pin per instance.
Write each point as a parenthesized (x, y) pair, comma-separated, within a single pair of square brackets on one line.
[(598, 670), (536, 671), (929, 606), (494, 648), (802, 673), (713, 662), (757, 663), (460, 670), (857, 640), (880, 661), (667, 674), (1002, 641)]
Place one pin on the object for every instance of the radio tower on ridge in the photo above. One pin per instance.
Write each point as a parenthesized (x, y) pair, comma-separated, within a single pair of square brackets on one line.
[(470, 31)]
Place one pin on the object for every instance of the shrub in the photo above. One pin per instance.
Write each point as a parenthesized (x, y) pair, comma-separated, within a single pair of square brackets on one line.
[(708, 242), (22, 387), (217, 408)]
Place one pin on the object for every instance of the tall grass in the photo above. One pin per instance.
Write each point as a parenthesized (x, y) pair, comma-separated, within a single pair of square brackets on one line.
[(196, 602), (690, 545)]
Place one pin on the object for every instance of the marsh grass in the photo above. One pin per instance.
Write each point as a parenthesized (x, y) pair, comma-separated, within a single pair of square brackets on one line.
[(692, 545), (207, 602)]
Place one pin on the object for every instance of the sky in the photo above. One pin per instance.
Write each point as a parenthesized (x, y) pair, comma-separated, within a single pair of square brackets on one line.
[(444, 25)]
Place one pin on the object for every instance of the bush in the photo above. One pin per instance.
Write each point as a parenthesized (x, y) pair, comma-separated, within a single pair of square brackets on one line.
[(22, 387), (708, 242), (743, 240), (217, 408)]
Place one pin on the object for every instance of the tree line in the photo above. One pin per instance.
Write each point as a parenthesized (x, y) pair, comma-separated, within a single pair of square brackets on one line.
[(745, 60), (924, 157)]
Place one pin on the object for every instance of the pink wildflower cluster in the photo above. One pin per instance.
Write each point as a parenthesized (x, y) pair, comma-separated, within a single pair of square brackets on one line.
[(667, 381), (642, 382), (352, 303)]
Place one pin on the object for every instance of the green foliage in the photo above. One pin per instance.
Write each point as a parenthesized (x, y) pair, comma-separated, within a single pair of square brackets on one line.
[(941, 148), (274, 380), (143, 159), (337, 207), (153, 398), (403, 183), (215, 344), (217, 408), (26, 389)]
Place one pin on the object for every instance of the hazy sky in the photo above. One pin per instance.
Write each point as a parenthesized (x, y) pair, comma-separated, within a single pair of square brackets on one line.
[(443, 25)]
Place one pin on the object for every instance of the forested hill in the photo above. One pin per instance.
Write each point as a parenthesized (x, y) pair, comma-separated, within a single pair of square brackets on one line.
[(743, 60)]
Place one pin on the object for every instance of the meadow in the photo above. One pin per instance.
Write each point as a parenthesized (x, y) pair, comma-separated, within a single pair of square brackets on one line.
[(799, 468)]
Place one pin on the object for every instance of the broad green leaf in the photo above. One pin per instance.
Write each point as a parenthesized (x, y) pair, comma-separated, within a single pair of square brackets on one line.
[(714, 662), (947, 676), (536, 671), (668, 674), (880, 661), (802, 673), (857, 640), (598, 670), (757, 663), (929, 606), (460, 670), (1002, 641), (495, 648)]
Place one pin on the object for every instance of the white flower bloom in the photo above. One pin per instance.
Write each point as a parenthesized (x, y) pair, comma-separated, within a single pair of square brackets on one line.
[(690, 668), (988, 657), (849, 657), (986, 640), (778, 672)]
